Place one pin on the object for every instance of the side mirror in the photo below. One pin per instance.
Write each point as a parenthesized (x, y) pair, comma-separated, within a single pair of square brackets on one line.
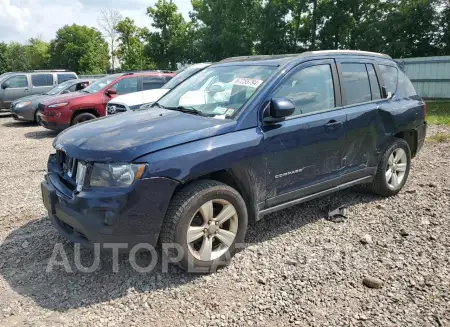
[(65, 92), (111, 91), (5, 85), (279, 109)]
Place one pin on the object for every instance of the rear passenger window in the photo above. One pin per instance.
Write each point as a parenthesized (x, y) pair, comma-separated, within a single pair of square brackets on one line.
[(311, 89), (390, 77), (42, 80), (356, 83), (65, 77), (151, 82), (374, 86)]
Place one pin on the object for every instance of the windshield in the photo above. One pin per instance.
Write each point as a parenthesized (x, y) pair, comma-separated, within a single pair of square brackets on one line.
[(101, 83), (218, 91), (59, 88), (182, 76)]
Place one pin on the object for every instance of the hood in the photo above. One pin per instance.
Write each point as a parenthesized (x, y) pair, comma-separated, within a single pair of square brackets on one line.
[(125, 137), (31, 98), (138, 98), (65, 97)]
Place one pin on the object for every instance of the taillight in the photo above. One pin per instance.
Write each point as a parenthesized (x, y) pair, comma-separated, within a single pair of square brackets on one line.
[(425, 110)]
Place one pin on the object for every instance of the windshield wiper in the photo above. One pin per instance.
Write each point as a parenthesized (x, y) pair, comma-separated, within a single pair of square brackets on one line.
[(189, 110)]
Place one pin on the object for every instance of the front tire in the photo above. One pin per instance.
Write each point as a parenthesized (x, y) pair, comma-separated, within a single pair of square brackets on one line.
[(81, 118), (393, 169), (206, 219)]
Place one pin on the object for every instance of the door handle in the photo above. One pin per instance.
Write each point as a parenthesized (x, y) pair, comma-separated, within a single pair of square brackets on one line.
[(333, 124)]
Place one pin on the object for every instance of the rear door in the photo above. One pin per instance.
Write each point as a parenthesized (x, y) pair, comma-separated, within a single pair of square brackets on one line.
[(41, 83), (18, 87), (304, 152), (361, 96)]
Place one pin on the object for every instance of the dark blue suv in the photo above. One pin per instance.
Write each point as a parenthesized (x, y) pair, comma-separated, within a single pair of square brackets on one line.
[(243, 138)]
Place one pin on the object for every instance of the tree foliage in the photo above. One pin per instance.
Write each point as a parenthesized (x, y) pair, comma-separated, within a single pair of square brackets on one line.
[(79, 48), (218, 29)]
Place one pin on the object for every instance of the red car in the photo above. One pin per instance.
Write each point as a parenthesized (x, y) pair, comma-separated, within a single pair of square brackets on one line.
[(66, 110)]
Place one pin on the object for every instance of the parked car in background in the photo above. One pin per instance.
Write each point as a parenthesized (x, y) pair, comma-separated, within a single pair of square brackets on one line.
[(25, 109), (17, 85), (293, 128), (66, 110), (136, 100)]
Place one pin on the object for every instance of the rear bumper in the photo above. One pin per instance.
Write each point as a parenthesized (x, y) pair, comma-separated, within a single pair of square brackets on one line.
[(126, 217), (421, 135)]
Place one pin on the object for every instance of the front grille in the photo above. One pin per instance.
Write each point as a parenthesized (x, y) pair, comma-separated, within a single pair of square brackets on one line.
[(68, 166), (113, 109)]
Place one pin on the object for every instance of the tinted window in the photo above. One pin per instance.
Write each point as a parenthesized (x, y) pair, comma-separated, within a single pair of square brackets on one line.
[(374, 86), (65, 77), (126, 85), (19, 81), (405, 88), (390, 77), (42, 80), (152, 82), (356, 83), (311, 89)]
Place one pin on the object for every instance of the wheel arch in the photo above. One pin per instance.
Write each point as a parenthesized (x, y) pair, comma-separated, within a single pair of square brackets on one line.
[(411, 137), (78, 112), (234, 179)]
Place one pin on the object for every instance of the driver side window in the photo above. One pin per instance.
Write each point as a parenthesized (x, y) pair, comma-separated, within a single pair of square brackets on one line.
[(19, 81), (310, 89), (126, 85)]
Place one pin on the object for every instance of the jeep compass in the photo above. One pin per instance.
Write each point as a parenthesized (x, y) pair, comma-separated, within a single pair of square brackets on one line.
[(202, 163)]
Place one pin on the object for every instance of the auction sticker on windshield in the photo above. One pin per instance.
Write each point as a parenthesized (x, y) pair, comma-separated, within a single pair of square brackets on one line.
[(252, 82)]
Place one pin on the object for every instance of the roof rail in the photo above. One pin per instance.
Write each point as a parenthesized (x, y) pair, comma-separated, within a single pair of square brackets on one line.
[(47, 70), (307, 53)]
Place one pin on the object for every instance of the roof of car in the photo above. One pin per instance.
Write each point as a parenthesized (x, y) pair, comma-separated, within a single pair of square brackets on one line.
[(280, 59), (151, 73)]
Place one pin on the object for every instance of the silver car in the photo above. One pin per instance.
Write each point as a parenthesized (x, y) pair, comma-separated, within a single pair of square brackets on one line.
[(16, 85)]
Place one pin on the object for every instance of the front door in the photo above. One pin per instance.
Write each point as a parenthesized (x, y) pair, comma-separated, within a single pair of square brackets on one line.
[(304, 153), (17, 87)]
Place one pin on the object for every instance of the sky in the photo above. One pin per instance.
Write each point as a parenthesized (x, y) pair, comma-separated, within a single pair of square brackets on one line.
[(22, 19)]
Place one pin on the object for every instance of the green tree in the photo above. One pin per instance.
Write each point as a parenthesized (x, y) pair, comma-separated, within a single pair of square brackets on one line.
[(79, 48), (169, 43), (130, 50), (3, 64), (17, 57), (227, 28), (273, 28), (38, 55)]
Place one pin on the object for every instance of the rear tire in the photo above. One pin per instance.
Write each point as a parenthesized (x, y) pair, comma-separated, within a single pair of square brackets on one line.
[(37, 118), (393, 169), (206, 219), (81, 118)]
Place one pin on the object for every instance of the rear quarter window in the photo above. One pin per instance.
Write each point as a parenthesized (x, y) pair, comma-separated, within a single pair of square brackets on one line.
[(405, 89), (390, 77)]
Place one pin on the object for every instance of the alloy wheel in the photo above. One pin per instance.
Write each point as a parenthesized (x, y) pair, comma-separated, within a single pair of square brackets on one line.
[(396, 168), (212, 230)]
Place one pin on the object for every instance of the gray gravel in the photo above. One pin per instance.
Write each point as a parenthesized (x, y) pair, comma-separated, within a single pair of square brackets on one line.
[(299, 268)]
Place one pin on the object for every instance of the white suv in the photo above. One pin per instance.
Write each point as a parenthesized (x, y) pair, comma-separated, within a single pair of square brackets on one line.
[(136, 100)]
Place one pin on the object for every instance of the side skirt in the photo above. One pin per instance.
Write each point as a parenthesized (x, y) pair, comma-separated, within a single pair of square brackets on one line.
[(285, 205)]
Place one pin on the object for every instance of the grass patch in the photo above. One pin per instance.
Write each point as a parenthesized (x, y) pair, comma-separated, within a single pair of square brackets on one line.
[(438, 112), (439, 138)]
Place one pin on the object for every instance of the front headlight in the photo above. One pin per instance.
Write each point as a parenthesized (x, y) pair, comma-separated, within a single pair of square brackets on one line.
[(22, 104), (58, 105), (115, 175)]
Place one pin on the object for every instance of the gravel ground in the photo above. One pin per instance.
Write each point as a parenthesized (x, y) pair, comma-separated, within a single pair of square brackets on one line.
[(299, 269)]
